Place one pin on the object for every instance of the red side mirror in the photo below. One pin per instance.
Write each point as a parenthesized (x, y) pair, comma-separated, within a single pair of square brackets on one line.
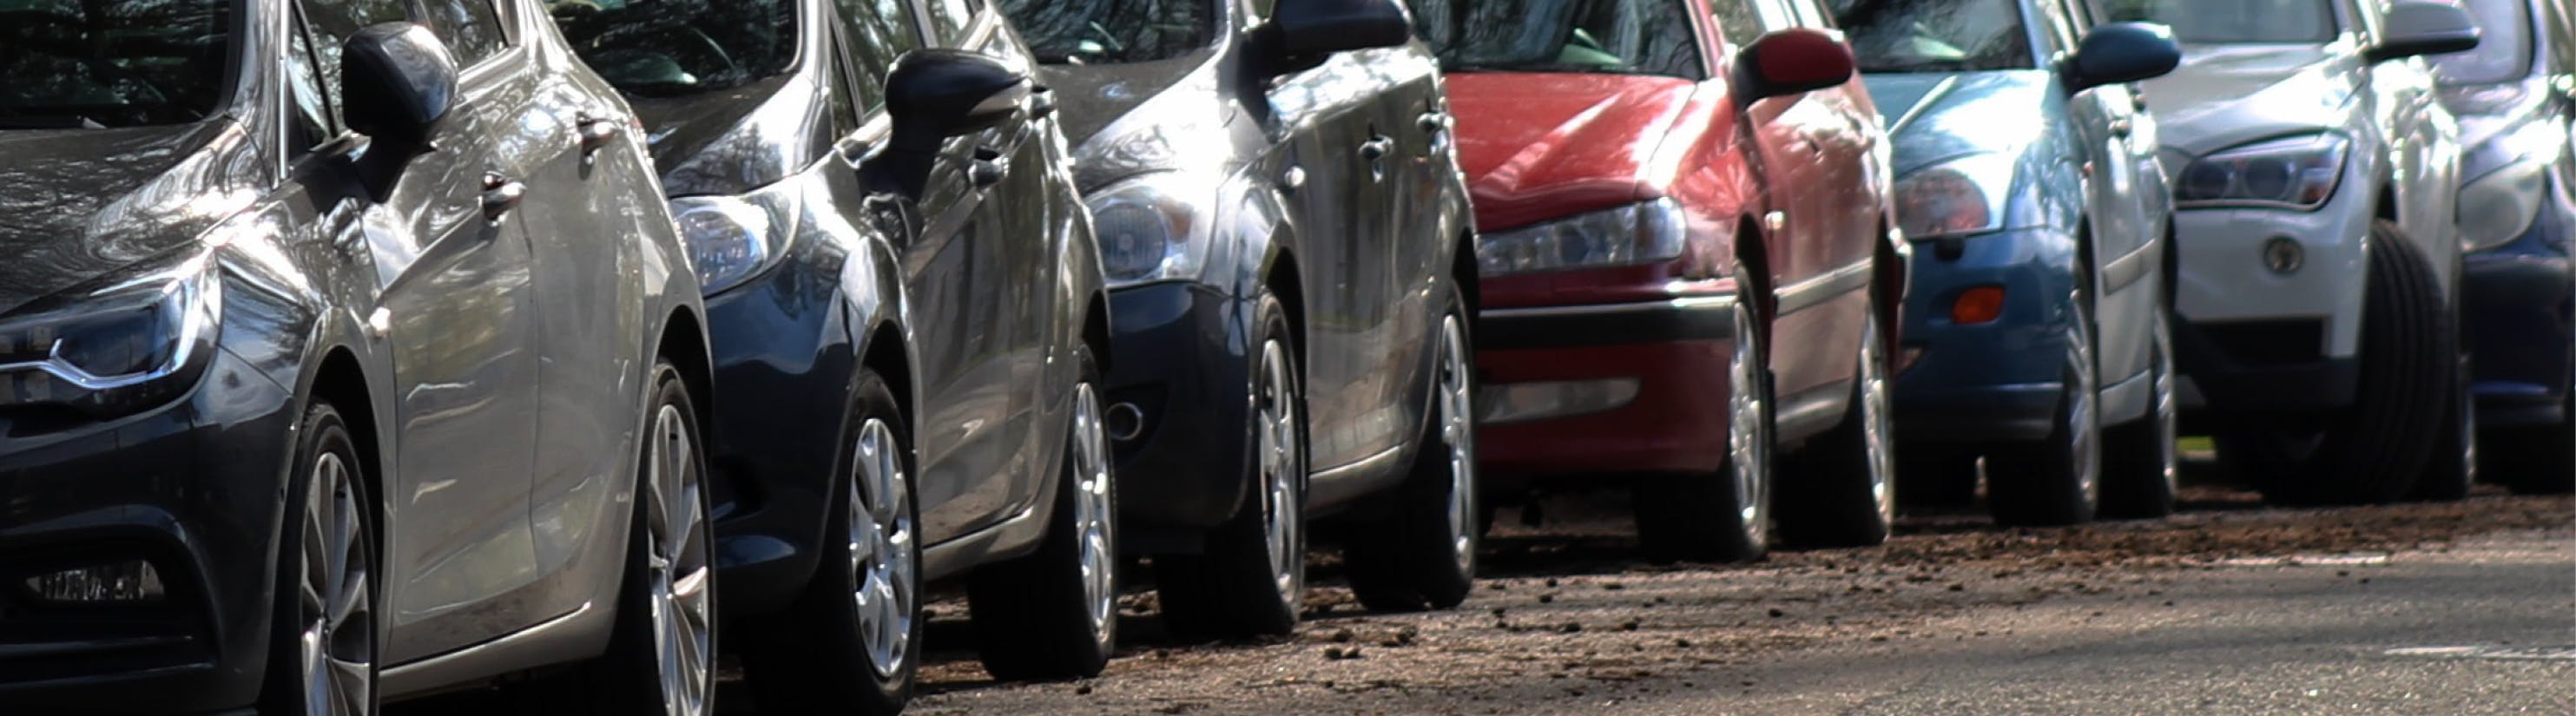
[(1792, 62)]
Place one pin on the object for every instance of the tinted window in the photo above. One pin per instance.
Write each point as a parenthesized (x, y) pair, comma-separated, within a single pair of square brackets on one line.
[(314, 118), (950, 17), (2230, 21), (333, 21), (1935, 35), (670, 48), (1113, 31), (467, 26), (1737, 20), (880, 31), (110, 63), (1637, 37), (2504, 48)]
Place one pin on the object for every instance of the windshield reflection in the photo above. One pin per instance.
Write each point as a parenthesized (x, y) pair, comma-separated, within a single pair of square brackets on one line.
[(671, 48), (1101, 32), (1637, 37), (111, 63), (1935, 35), (2221, 22)]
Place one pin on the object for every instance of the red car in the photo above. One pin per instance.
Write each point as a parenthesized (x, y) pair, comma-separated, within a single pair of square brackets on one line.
[(1688, 262)]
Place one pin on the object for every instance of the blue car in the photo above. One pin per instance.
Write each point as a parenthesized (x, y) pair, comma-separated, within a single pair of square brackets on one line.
[(2515, 96), (2036, 335)]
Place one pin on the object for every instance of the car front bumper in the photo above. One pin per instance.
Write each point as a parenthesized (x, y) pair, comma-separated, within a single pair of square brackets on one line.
[(1605, 389), (1986, 382), (2519, 301), (783, 363), (193, 488), (1182, 365), (2249, 337)]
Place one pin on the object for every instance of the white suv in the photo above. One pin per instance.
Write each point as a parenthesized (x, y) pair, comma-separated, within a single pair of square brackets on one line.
[(2318, 249)]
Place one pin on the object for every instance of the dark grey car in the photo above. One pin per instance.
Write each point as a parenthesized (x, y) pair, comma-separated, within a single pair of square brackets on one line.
[(908, 324), (344, 358), (1287, 234)]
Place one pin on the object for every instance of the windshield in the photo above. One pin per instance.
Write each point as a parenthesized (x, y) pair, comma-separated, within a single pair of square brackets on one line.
[(2504, 50), (2225, 22), (1099, 32), (111, 63), (672, 48), (1935, 35), (1635, 37)]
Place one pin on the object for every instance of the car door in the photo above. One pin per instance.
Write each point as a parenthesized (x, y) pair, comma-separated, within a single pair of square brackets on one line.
[(1812, 171), (456, 310), (1323, 117), (1411, 117), (2104, 121)]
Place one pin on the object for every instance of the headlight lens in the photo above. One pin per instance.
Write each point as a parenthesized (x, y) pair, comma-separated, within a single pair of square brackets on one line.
[(1152, 229), (1956, 198), (116, 349), (2501, 206), (1634, 234), (734, 238), (2298, 173)]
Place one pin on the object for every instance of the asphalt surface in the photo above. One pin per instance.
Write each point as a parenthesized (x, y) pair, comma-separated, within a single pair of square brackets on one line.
[(2230, 608)]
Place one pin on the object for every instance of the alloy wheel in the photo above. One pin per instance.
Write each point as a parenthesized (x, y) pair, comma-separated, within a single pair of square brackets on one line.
[(1281, 452), (2168, 415), (1748, 432), (335, 609), (1458, 433), (1094, 515), (2083, 421), (882, 550), (678, 567), (1877, 426)]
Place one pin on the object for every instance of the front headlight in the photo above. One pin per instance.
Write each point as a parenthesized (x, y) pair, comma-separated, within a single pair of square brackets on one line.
[(2501, 206), (1153, 228), (1955, 198), (1634, 234), (734, 238), (115, 349), (2297, 173)]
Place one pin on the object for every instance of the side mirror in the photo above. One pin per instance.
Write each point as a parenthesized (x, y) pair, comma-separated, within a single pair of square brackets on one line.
[(397, 84), (1301, 34), (2121, 53), (935, 94), (1791, 62), (2425, 27)]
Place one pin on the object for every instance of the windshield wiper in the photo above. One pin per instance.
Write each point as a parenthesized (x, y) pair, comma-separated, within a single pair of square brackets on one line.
[(45, 122)]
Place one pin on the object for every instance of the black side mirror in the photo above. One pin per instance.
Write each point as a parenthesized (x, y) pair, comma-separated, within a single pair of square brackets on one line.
[(397, 84), (1793, 61), (935, 94), (1301, 33), (2120, 53), (2425, 27)]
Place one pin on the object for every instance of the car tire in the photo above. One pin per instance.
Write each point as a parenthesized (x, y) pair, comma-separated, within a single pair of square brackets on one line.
[(1725, 515), (666, 604), (851, 643), (2374, 451), (2453, 468), (1250, 581), (2141, 462), (320, 664), (1841, 490), (1053, 614), (2057, 481), (1423, 556)]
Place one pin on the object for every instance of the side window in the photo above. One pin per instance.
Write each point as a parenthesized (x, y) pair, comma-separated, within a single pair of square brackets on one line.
[(878, 31), (949, 18), (1261, 8), (1737, 20), (469, 27), (314, 120), (332, 22), (861, 93)]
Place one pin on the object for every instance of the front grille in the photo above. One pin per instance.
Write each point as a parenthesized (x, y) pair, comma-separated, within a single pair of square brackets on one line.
[(2270, 343)]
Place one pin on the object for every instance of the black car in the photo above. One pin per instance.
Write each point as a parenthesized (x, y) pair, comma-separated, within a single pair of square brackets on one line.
[(908, 323), (347, 353), (1282, 217)]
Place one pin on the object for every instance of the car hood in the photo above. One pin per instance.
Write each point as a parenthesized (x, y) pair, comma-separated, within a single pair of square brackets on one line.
[(734, 140), (76, 205), (2224, 96), (1541, 146), (1936, 117)]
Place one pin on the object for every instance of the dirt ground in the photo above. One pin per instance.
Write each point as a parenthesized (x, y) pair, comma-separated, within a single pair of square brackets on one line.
[(1569, 621)]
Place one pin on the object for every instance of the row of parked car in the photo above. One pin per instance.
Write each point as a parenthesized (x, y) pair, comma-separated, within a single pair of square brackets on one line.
[(357, 350)]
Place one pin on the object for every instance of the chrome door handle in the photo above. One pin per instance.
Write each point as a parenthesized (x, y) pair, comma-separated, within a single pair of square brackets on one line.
[(597, 131), (1377, 147), (988, 168), (500, 195), (2123, 127), (1041, 102)]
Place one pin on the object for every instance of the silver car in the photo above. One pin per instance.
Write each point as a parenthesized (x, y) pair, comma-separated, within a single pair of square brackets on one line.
[(2315, 174)]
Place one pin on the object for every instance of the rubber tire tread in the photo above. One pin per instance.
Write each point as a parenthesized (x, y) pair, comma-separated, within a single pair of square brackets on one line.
[(323, 430), (791, 663), (2133, 473), (1403, 563), (2033, 484), (1225, 592), (1825, 499)]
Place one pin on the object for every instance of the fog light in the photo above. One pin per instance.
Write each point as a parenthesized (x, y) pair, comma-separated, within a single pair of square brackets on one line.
[(1982, 304), (1123, 422), (2283, 255), (117, 582), (1523, 402)]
